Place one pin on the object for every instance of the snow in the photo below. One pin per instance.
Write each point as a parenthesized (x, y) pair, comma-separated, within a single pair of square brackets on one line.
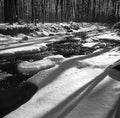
[(105, 59), (66, 91), (91, 44), (31, 48), (31, 68), (55, 58), (80, 86), (100, 103), (109, 35)]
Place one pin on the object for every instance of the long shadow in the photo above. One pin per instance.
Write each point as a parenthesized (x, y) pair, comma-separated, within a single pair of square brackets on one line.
[(115, 111), (28, 43), (66, 65), (70, 103), (12, 99), (45, 39)]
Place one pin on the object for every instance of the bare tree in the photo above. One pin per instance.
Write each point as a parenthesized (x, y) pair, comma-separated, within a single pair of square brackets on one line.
[(32, 10), (10, 11)]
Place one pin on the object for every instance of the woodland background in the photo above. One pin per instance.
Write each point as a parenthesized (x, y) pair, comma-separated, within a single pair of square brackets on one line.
[(65, 10)]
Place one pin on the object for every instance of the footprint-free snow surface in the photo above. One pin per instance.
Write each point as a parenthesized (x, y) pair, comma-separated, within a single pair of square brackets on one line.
[(80, 87)]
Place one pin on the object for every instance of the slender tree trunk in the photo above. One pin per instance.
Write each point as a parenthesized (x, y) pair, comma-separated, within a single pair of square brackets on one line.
[(16, 9), (56, 10), (32, 10), (61, 6), (43, 10), (113, 15), (93, 12)]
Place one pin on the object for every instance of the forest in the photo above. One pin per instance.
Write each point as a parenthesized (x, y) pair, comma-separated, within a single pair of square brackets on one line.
[(59, 58), (61, 10)]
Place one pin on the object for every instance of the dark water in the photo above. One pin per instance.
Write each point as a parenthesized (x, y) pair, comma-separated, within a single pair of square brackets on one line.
[(11, 99)]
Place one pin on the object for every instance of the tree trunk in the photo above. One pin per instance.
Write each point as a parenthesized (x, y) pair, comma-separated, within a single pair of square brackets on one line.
[(56, 10), (6, 10), (10, 11), (32, 10)]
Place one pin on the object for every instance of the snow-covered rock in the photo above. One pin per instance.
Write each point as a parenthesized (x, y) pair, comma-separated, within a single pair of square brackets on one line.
[(55, 58), (30, 68), (45, 33), (92, 39), (91, 45), (21, 35), (40, 34)]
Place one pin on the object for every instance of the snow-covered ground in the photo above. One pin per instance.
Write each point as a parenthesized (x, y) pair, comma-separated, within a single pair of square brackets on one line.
[(66, 92), (77, 87)]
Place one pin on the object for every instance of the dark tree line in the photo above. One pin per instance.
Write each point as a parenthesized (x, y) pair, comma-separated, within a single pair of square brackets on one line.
[(61, 10), (10, 11)]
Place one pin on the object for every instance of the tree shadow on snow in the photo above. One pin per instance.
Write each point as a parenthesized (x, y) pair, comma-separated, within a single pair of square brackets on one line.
[(68, 63), (12, 99), (72, 101)]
